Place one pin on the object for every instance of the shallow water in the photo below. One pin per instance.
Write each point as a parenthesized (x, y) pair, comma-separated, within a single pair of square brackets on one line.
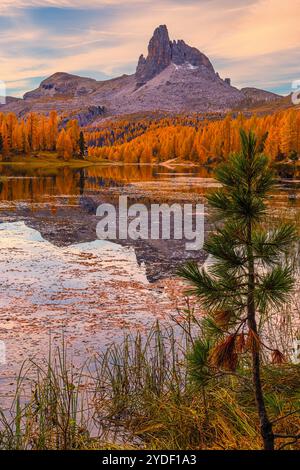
[(57, 278)]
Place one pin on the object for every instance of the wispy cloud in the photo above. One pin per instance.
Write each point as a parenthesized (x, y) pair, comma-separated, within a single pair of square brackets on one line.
[(255, 42), (74, 4)]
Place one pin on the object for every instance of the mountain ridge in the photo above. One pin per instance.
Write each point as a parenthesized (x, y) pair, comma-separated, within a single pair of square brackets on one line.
[(174, 78)]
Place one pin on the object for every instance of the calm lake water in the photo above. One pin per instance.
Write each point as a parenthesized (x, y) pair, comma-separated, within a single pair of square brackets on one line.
[(57, 278)]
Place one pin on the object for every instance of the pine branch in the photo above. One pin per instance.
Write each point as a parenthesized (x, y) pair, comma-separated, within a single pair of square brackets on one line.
[(286, 416)]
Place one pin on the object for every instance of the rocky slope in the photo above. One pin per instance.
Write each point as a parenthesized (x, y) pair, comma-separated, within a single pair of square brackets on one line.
[(174, 77), (255, 95), (162, 53)]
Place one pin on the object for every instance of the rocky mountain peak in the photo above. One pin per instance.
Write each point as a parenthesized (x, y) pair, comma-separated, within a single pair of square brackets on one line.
[(162, 52), (159, 56), (176, 77)]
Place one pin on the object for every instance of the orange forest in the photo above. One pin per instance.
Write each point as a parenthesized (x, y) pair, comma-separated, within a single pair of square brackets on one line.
[(197, 139)]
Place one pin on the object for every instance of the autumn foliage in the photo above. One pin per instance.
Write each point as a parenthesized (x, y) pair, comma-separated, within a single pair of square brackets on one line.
[(196, 140), (201, 139), (38, 133)]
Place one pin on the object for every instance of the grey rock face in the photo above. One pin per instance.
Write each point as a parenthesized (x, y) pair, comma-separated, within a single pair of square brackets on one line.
[(159, 56), (182, 52), (162, 52)]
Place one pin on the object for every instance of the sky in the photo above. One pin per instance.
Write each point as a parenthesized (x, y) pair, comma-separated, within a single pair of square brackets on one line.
[(254, 42)]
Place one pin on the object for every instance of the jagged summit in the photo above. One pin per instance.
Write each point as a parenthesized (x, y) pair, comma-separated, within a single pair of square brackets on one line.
[(162, 52), (173, 78)]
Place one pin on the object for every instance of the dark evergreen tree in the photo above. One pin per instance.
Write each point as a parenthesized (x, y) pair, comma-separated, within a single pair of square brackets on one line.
[(249, 277), (82, 147)]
